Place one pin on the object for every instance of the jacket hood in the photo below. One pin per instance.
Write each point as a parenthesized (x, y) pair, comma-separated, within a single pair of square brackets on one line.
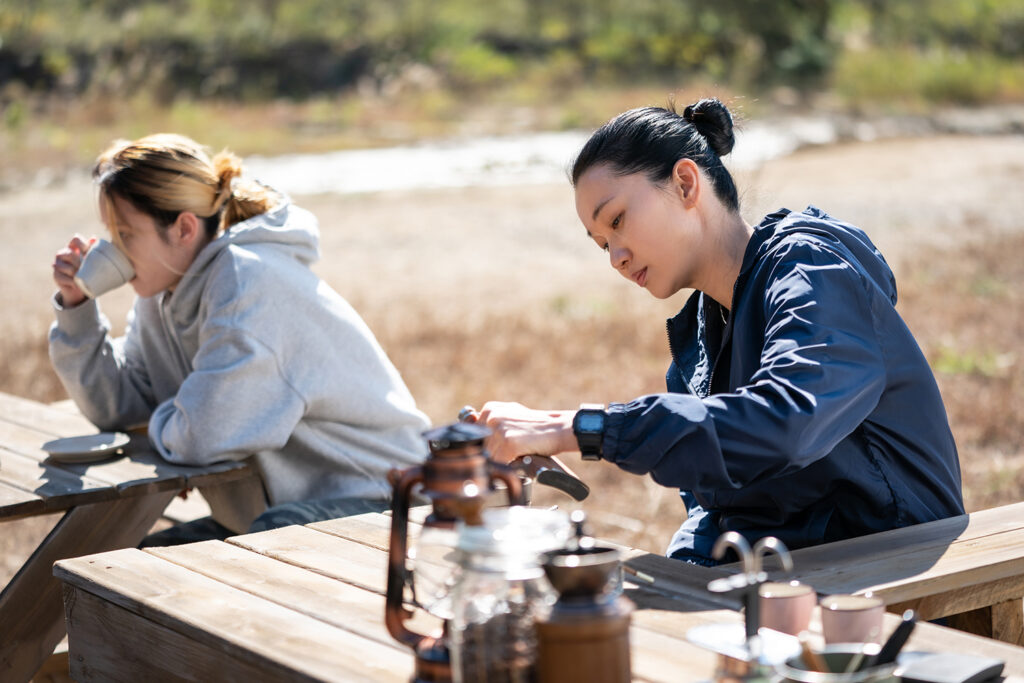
[(287, 229), (813, 221)]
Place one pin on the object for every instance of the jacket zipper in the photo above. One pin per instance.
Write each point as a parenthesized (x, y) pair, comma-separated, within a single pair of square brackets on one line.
[(172, 339), (726, 334)]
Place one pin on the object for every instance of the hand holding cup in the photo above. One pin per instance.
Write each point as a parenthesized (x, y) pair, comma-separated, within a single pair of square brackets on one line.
[(65, 265), (104, 267)]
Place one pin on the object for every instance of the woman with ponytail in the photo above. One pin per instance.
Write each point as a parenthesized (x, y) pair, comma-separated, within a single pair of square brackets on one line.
[(799, 404), (234, 348)]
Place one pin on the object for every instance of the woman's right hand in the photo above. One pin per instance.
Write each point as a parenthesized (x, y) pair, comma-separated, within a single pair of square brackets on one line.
[(517, 430), (65, 265)]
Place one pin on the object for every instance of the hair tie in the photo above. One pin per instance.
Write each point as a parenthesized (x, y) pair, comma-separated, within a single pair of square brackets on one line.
[(226, 193)]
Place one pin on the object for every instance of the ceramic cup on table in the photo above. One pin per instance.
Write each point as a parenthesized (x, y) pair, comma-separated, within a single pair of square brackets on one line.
[(786, 607), (105, 267), (852, 618)]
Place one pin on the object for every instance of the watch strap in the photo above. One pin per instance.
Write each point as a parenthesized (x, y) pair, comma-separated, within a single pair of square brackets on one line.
[(590, 442)]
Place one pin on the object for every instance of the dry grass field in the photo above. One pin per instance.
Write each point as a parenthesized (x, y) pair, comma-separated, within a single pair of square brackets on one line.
[(495, 293)]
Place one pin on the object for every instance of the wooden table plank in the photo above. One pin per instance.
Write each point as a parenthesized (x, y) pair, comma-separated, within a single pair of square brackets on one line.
[(30, 605), (329, 555), (666, 658), (907, 577), (335, 602), (928, 540), (114, 644), (52, 421), (59, 488), (147, 463), (144, 471), (372, 529), (16, 502), (231, 621), (682, 579)]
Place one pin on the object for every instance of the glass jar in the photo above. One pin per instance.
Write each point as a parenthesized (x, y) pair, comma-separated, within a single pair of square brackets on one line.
[(499, 590)]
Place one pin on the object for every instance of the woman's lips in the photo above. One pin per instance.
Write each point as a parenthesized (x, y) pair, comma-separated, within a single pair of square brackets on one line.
[(641, 277)]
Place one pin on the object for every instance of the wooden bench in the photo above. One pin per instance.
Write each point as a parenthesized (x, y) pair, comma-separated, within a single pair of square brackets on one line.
[(968, 570)]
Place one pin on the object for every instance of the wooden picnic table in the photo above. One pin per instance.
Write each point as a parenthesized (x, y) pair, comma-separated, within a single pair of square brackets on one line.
[(968, 570), (306, 603), (107, 505)]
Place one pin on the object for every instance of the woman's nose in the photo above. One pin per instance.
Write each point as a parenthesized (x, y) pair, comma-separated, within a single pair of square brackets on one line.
[(619, 257)]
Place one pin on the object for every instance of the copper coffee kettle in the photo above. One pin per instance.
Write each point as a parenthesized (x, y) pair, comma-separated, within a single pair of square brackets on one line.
[(456, 478)]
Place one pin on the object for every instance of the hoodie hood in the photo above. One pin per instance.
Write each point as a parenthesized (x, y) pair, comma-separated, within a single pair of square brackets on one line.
[(848, 240), (286, 229)]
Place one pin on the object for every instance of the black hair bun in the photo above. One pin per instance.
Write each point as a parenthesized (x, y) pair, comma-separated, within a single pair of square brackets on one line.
[(713, 121)]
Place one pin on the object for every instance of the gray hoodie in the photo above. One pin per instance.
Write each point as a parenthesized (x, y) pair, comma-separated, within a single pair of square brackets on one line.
[(252, 354)]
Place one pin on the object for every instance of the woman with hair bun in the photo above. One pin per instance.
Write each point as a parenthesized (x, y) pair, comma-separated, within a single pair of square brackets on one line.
[(799, 404), (234, 347)]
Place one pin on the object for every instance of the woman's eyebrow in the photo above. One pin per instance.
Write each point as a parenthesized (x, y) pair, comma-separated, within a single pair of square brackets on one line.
[(600, 205)]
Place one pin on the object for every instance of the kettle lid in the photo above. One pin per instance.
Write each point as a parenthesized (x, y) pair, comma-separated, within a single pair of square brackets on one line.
[(456, 434)]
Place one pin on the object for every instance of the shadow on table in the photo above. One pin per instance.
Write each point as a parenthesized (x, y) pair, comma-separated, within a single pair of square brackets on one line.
[(872, 562)]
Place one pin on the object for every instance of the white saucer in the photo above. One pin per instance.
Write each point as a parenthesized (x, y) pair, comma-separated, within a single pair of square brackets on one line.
[(88, 448)]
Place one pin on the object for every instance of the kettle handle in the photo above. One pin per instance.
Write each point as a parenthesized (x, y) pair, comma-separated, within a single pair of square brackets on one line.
[(509, 475), (395, 613)]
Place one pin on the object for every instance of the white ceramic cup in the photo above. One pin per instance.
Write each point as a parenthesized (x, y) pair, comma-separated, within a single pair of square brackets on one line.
[(105, 267), (786, 607), (852, 618)]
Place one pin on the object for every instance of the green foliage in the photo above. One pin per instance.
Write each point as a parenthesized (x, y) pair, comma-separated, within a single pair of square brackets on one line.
[(933, 50), (902, 74), (478, 64)]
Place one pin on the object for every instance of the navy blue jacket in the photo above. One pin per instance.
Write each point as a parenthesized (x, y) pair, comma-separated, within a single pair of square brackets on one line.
[(808, 412)]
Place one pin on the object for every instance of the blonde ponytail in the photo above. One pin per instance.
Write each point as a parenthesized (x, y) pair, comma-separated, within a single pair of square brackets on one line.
[(165, 174), (239, 200)]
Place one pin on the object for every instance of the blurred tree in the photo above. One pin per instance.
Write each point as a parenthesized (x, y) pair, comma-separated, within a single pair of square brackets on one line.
[(298, 48)]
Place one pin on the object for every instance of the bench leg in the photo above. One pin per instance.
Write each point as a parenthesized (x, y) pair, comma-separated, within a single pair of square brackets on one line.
[(1003, 621), (31, 606)]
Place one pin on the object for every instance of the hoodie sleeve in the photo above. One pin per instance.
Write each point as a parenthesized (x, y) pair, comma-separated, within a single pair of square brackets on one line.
[(104, 376), (821, 373), (234, 403)]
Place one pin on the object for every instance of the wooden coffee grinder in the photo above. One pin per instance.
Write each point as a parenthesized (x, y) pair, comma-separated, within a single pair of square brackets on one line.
[(585, 639)]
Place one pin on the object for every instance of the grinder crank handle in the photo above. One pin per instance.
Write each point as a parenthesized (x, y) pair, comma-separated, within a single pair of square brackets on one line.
[(550, 471), (545, 469)]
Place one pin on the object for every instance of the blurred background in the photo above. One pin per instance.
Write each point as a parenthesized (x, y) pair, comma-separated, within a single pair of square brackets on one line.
[(431, 139)]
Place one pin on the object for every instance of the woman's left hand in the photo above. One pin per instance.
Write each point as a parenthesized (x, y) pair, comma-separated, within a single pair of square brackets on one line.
[(518, 430)]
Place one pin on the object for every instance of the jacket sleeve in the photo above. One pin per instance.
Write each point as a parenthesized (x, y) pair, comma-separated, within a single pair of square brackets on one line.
[(105, 377), (234, 403), (821, 374)]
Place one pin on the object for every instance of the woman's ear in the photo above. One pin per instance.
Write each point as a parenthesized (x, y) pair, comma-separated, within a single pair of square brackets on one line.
[(187, 228), (686, 180)]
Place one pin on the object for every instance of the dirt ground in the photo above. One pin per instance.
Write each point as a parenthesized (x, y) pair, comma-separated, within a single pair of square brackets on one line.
[(477, 250), (471, 290)]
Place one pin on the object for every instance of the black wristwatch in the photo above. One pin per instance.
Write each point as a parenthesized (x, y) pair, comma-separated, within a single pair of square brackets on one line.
[(588, 425)]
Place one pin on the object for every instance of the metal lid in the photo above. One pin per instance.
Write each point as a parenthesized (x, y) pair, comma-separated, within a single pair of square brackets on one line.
[(456, 434)]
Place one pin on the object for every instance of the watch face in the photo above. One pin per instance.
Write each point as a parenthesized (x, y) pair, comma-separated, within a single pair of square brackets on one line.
[(589, 422)]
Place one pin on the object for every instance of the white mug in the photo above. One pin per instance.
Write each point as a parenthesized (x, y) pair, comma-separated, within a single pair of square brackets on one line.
[(105, 267)]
